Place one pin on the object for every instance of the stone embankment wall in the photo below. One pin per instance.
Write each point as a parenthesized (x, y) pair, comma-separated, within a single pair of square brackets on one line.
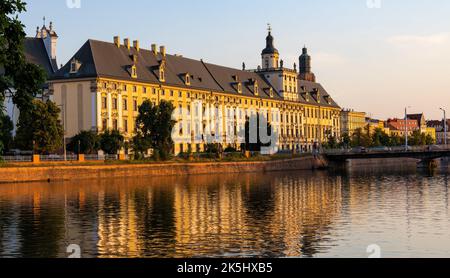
[(60, 172)]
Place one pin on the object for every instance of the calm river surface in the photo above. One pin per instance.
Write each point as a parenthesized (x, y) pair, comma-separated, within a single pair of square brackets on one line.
[(295, 214)]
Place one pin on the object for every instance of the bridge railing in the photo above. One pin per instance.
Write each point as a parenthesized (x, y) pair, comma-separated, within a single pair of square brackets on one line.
[(359, 150)]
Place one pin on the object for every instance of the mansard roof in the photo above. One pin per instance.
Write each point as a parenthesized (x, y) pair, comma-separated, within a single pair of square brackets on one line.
[(313, 93), (104, 59)]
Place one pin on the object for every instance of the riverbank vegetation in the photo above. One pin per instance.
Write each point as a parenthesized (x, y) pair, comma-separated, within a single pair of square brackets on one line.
[(377, 138)]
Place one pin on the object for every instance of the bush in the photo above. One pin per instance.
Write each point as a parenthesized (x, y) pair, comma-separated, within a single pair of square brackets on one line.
[(85, 142)]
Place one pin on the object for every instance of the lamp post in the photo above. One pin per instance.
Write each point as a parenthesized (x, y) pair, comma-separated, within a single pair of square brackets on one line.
[(63, 110), (406, 129), (445, 127)]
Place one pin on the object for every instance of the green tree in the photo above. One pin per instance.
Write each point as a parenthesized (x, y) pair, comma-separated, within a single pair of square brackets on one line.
[(331, 143), (396, 140), (40, 129), (430, 140), (140, 145), (380, 138), (6, 127), (111, 141), (416, 139), (154, 129), (20, 80), (346, 140), (361, 137), (85, 142)]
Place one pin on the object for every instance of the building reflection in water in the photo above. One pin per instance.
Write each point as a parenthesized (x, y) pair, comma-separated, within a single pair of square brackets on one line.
[(248, 215)]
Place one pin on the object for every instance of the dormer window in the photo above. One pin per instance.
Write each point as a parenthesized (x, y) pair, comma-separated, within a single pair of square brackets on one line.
[(187, 79), (239, 88), (74, 66), (162, 76), (133, 71), (271, 92), (256, 89)]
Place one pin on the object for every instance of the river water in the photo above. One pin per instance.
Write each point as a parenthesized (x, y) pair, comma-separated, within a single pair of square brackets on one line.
[(403, 212)]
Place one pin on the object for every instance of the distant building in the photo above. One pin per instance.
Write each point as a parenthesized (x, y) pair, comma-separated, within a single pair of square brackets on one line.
[(438, 126), (415, 122), (400, 126), (39, 50), (351, 121), (421, 121), (374, 124)]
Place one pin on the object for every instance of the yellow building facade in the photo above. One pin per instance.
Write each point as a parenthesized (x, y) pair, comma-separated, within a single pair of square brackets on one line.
[(351, 121), (104, 84)]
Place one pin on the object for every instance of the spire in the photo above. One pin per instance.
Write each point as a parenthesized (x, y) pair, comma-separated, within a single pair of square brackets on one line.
[(270, 48), (43, 19), (305, 50), (305, 72)]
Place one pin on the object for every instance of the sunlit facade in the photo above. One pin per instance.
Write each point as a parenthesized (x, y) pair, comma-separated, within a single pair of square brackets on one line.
[(104, 84)]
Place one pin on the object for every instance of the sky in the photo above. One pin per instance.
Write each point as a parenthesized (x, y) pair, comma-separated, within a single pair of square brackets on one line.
[(376, 56)]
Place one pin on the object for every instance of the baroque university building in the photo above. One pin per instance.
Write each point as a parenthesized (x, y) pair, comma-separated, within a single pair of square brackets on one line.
[(104, 84)]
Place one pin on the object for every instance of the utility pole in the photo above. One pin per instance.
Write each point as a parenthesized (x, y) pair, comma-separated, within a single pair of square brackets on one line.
[(445, 127)]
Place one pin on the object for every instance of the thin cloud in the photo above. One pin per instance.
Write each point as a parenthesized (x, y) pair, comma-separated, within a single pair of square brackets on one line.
[(414, 40), (326, 58)]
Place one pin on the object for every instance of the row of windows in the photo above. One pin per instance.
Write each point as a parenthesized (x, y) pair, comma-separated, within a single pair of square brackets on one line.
[(315, 113), (115, 104)]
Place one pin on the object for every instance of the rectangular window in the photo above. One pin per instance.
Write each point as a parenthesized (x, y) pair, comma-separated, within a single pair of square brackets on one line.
[(114, 103), (125, 104), (104, 103), (125, 125), (104, 124), (135, 105), (115, 124), (134, 89)]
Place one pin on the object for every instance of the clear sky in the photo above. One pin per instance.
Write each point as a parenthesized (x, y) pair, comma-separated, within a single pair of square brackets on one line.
[(376, 56)]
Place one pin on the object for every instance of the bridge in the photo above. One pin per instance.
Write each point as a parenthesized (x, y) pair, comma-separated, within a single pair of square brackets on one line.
[(425, 155)]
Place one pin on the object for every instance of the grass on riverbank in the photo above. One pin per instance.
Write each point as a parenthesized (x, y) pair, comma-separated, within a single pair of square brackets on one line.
[(177, 160)]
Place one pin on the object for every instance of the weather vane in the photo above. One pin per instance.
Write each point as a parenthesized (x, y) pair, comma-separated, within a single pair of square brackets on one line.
[(43, 19), (269, 27)]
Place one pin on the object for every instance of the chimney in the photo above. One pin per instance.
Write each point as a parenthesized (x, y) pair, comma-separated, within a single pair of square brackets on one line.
[(154, 49), (162, 50), (126, 43), (117, 41), (136, 45)]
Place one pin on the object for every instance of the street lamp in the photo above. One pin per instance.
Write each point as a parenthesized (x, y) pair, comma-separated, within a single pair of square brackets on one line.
[(445, 126), (406, 128), (63, 110)]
